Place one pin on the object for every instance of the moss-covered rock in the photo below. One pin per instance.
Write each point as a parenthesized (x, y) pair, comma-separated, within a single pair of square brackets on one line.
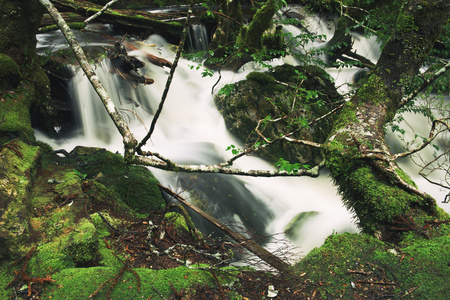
[(82, 244), (9, 72), (21, 82), (134, 185), (306, 93)]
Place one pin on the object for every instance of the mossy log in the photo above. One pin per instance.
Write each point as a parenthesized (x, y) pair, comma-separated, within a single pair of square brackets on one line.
[(152, 23)]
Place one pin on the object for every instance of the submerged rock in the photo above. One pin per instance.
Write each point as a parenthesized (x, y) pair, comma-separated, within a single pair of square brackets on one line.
[(293, 228)]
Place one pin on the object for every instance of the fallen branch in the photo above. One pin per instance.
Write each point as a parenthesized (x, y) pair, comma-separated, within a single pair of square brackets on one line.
[(219, 169), (249, 244)]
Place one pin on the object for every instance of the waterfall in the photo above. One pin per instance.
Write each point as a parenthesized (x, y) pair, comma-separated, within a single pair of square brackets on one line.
[(191, 130), (197, 39)]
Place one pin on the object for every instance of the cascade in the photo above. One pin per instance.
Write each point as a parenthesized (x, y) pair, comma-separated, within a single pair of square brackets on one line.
[(197, 39), (191, 130)]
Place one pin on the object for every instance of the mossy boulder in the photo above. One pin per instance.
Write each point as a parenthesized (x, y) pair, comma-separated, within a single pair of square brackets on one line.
[(134, 185), (82, 243), (299, 94)]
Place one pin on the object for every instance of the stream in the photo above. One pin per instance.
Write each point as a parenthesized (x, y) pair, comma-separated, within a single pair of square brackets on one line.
[(191, 130)]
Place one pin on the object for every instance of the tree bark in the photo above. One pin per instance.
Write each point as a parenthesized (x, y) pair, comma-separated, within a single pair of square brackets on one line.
[(370, 181)]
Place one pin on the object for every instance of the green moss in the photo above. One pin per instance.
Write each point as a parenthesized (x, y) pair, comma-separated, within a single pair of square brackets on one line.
[(421, 269), (261, 78), (373, 91), (6, 276), (260, 23), (82, 243), (340, 157), (9, 73), (14, 113), (405, 23), (16, 176), (80, 283), (72, 25), (49, 258), (347, 115), (133, 185)]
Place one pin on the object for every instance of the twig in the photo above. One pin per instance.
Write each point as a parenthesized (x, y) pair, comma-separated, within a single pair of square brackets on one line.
[(427, 142), (169, 79), (116, 229), (424, 85), (218, 80), (376, 282)]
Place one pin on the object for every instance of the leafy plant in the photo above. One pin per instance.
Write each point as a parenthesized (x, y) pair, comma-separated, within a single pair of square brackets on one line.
[(234, 150), (227, 90), (284, 165)]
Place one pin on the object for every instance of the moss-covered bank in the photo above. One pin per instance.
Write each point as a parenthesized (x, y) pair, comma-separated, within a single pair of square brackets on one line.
[(354, 266)]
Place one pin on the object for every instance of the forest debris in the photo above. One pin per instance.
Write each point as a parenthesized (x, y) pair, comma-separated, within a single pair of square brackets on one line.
[(13, 147), (22, 276), (127, 66), (158, 61), (249, 244)]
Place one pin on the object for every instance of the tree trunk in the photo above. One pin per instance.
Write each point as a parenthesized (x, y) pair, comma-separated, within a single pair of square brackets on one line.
[(233, 47), (382, 196)]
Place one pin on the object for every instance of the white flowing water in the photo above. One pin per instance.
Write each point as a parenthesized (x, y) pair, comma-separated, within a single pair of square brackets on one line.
[(191, 130)]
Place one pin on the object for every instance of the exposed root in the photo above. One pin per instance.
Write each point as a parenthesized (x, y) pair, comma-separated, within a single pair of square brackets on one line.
[(22, 276)]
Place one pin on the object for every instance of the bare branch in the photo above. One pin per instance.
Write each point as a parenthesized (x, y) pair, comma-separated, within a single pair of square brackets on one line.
[(221, 168), (431, 137), (425, 84), (100, 12), (356, 21), (169, 79), (426, 176)]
